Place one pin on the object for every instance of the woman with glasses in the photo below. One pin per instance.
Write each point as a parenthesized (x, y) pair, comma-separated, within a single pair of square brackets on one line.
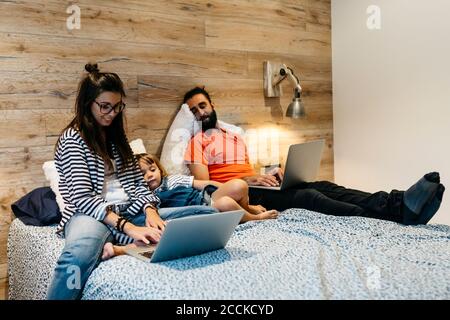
[(104, 192)]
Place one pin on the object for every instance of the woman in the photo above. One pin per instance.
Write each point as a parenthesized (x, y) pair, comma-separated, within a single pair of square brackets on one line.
[(101, 184)]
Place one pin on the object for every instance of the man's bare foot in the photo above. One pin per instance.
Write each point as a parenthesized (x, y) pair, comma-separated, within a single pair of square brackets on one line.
[(257, 209), (270, 214)]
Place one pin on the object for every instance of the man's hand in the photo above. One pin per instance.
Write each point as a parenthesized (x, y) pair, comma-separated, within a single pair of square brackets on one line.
[(262, 180), (152, 219), (278, 173)]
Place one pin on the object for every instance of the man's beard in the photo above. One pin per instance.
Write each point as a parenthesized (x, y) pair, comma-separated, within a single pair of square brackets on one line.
[(210, 122)]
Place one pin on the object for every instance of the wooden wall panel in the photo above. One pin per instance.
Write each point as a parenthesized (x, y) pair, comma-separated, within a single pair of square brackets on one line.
[(227, 35), (286, 14), (21, 91), (318, 20), (99, 22), (38, 53), (319, 4), (305, 67), (160, 91), (160, 49), (25, 126)]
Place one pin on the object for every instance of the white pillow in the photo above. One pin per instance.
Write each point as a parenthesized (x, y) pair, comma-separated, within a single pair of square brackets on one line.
[(52, 176), (183, 128), (137, 146)]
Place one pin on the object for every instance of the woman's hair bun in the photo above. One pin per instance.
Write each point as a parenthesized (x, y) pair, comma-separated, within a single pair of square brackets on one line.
[(91, 68)]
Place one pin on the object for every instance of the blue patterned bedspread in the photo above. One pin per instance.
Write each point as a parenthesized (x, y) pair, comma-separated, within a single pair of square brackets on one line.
[(301, 255)]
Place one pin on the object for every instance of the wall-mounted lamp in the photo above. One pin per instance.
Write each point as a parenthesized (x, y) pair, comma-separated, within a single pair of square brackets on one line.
[(274, 74)]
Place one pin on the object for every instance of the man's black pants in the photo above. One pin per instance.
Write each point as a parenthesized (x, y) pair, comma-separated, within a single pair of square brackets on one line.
[(329, 198)]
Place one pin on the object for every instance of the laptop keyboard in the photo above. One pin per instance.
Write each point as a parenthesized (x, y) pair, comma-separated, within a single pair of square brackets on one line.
[(147, 254)]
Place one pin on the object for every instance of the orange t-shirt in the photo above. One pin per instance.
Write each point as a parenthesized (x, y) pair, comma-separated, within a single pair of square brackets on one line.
[(223, 152)]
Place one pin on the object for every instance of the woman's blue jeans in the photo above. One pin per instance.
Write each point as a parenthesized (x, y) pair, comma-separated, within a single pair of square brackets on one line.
[(84, 241)]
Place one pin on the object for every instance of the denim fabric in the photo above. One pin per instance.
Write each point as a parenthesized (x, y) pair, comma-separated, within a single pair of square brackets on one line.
[(180, 196), (85, 238)]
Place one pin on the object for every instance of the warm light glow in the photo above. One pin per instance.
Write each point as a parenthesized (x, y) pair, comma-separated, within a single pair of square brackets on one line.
[(268, 145)]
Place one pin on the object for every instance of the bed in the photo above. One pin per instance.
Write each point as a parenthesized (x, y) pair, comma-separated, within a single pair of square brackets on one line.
[(301, 255)]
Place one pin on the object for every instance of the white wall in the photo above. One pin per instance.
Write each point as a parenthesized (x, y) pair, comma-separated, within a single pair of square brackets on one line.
[(391, 95)]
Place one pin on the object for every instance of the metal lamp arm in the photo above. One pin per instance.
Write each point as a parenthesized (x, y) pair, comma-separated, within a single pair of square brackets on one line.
[(286, 72), (294, 80)]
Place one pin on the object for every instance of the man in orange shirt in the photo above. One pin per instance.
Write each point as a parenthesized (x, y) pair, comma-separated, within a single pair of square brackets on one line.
[(217, 154)]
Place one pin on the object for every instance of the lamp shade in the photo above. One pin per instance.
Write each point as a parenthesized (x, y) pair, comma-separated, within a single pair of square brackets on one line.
[(296, 109)]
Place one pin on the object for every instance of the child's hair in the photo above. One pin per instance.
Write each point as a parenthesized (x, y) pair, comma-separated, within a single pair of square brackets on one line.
[(150, 159)]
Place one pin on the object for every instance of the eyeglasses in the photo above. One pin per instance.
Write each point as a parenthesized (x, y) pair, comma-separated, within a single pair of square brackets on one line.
[(106, 107)]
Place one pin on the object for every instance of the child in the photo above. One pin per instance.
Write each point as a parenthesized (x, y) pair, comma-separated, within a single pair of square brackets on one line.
[(180, 190)]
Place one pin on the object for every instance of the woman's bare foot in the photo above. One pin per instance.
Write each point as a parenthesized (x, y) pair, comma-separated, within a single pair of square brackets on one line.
[(110, 250), (257, 209), (270, 214)]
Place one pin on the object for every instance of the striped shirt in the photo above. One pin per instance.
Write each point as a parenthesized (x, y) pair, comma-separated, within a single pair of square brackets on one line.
[(81, 178), (173, 181)]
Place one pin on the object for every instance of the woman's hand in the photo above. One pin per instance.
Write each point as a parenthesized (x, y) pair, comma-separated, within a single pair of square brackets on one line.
[(152, 219), (142, 234)]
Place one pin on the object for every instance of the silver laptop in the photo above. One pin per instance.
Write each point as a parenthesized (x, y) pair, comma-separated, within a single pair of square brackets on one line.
[(189, 236), (302, 164)]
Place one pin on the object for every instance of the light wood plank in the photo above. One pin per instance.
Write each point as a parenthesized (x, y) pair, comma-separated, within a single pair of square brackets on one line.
[(4, 231), (55, 122), (305, 67), (3, 249), (50, 91), (119, 24), (3, 271), (315, 118), (25, 127), (19, 52), (286, 14), (227, 35), (169, 91), (5, 219), (4, 289), (318, 20), (319, 4), (21, 173)]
